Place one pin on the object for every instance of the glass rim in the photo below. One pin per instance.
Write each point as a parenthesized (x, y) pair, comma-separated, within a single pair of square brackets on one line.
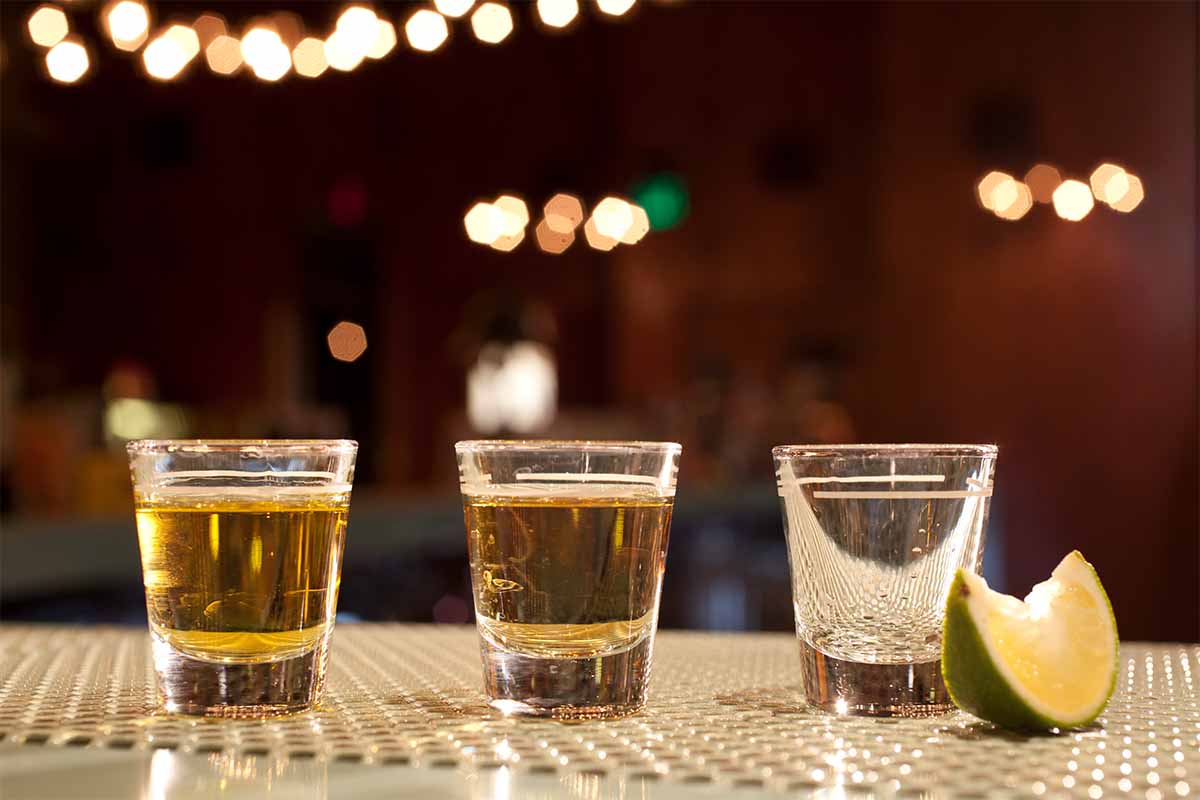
[(835, 450), (584, 445), (139, 446)]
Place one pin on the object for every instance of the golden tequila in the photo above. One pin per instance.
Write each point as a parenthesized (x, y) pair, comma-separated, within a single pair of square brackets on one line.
[(571, 581), (241, 543), (242, 579)]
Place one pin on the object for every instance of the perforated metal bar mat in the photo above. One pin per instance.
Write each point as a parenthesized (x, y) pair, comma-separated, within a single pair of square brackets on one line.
[(724, 711)]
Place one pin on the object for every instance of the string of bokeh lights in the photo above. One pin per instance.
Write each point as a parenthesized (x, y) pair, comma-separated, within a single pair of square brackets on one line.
[(1011, 199), (273, 46), (501, 224)]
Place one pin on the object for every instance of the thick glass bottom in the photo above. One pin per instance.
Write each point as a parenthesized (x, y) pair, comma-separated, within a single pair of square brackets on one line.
[(603, 687), (873, 690), (188, 685)]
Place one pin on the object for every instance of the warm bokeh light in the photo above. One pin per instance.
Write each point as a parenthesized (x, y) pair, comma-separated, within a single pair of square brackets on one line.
[(309, 58), (453, 8), (484, 223), (596, 239), (1073, 200), (506, 242), (208, 27), (167, 54), (163, 59), (615, 8), (1133, 196), (492, 23), (224, 55), (988, 185), (640, 226), (550, 240), (67, 61), (564, 213), (1042, 180), (516, 214), (358, 28), (347, 341), (48, 26), (1115, 187), (266, 54), (341, 54), (1004, 195), (255, 40), (186, 38), (1020, 204), (426, 30), (273, 66), (1101, 178), (1112, 185), (557, 13), (613, 217), (385, 40), (128, 24)]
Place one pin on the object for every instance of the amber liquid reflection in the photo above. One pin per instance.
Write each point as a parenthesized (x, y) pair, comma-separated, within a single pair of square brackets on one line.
[(241, 580)]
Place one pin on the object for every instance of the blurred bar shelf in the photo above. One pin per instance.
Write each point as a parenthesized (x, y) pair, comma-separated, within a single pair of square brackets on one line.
[(405, 716)]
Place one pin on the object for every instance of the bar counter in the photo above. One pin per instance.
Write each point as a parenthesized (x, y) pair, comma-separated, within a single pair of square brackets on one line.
[(404, 717)]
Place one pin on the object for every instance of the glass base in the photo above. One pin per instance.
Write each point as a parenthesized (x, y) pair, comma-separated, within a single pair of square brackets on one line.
[(604, 687), (191, 686), (873, 690)]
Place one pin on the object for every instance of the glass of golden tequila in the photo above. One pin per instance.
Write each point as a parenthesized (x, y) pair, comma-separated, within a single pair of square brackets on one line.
[(241, 545), (567, 544)]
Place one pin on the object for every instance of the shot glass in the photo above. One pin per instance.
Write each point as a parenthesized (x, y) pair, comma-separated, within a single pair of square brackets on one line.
[(875, 534), (567, 544), (241, 545)]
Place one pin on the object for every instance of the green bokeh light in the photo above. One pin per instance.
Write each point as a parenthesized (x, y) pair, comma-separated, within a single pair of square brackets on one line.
[(665, 199)]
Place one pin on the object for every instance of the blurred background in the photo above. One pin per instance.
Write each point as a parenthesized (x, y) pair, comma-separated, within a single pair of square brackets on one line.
[(731, 225)]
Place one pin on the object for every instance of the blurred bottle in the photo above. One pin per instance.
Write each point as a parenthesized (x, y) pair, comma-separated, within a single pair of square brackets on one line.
[(130, 411)]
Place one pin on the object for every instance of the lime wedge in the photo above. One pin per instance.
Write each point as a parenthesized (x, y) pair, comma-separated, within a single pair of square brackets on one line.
[(1047, 662)]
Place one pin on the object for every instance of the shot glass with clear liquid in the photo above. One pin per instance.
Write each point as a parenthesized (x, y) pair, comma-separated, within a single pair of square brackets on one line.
[(241, 545), (875, 534), (567, 544)]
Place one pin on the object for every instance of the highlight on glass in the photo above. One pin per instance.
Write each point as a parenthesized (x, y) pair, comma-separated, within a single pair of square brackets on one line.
[(241, 545)]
